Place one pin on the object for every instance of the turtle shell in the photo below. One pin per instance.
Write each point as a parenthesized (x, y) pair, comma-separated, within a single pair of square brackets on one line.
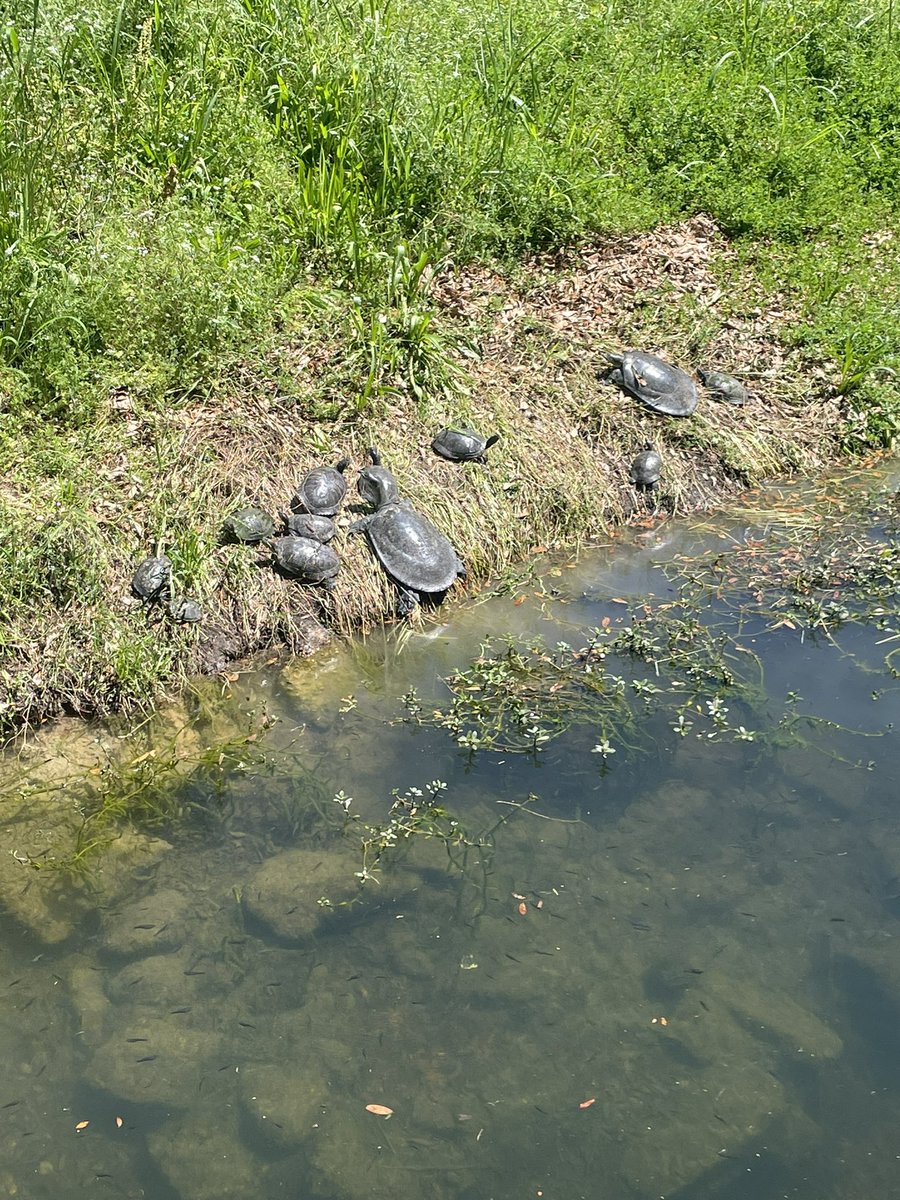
[(656, 383), (462, 445), (321, 491), (304, 559), (151, 580), (724, 387), (647, 467), (412, 551), (249, 525), (185, 611), (376, 484), (310, 525)]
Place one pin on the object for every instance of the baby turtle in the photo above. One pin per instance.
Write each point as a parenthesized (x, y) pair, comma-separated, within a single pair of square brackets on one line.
[(646, 468), (306, 560), (416, 556), (185, 611), (250, 525), (151, 580), (309, 525), (653, 381), (723, 387), (376, 484), (321, 491), (463, 445)]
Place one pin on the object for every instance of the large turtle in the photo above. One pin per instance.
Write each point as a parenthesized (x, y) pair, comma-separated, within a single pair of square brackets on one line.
[(309, 525), (376, 484), (306, 560), (463, 445), (250, 525), (646, 468), (417, 557), (322, 490), (150, 581), (653, 381), (723, 387)]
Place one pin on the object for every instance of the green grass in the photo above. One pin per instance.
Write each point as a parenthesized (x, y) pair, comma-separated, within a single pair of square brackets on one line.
[(229, 215)]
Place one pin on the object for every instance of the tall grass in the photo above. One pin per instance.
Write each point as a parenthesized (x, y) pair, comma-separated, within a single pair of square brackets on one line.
[(171, 172)]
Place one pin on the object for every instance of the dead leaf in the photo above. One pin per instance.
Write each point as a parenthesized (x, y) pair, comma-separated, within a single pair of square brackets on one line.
[(588, 1103), (119, 1122), (523, 909), (605, 623), (81, 1125), (380, 1110), (519, 600)]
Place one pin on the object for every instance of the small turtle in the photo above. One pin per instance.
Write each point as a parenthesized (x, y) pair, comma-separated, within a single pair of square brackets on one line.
[(249, 525), (463, 445), (723, 387), (309, 525), (306, 560), (376, 484), (150, 582), (321, 491), (653, 381), (185, 611), (646, 468), (417, 556)]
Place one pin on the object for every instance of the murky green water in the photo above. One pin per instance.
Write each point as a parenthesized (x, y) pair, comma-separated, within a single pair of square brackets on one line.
[(673, 973)]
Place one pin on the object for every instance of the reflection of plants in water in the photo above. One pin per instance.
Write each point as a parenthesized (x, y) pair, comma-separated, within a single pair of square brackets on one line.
[(160, 786), (809, 573)]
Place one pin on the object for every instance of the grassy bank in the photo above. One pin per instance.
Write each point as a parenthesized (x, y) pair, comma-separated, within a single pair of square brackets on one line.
[(241, 238)]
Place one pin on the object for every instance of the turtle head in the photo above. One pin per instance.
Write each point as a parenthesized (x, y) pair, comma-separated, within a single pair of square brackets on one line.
[(374, 456), (492, 440), (342, 465), (648, 445)]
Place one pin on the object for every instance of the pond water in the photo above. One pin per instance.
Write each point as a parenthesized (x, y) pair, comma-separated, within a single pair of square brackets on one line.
[(656, 956)]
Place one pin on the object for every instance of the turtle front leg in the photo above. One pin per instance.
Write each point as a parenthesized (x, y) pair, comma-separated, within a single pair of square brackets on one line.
[(407, 600), (359, 526)]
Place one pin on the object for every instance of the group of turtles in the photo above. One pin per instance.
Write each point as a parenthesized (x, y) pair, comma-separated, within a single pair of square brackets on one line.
[(416, 556)]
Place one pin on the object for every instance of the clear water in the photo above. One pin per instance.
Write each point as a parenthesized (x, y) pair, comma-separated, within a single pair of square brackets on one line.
[(701, 998)]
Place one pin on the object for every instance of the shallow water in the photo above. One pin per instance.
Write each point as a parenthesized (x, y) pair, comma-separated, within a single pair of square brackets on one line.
[(673, 973)]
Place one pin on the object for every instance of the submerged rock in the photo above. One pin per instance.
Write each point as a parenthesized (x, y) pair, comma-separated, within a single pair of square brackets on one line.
[(285, 893)]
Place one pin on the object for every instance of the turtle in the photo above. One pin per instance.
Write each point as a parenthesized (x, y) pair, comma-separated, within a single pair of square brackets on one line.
[(463, 445), (304, 559), (309, 525), (723, 387), (646, 468), (376, 484), (185, 611), (250, 525), (415, 555), (321, 491), (653, 381), (150, 581)]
